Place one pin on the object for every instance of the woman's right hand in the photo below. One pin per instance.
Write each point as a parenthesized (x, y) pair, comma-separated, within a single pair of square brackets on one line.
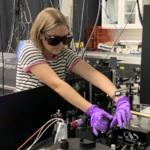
[(97, 121)]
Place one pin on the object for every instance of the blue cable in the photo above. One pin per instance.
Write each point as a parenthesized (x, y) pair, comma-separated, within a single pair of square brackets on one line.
[(119, 31)]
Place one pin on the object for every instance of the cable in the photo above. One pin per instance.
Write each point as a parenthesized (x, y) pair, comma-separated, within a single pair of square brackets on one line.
[(87, 23), (21, 22), (2, 56), (77, 14), (12, 29), (119, 32), (51, 3), (31, 136), (28, 22), (122, 29), (140, 16), (26, 2), (58, 5), (81, 27), (39, 130), (82, 56), (39, 136), (41, 5), (57, 119), (99, 8), (75, 76), (5, 21)]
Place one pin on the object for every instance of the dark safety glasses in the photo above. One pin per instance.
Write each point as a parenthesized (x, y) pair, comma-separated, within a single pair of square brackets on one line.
[(53, 41)]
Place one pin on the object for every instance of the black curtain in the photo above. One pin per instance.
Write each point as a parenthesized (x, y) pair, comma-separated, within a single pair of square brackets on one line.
[(90, 14), (6, 12)]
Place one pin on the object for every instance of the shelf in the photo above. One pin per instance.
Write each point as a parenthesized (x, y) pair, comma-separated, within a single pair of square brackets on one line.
[(130, 0), (129, 13)]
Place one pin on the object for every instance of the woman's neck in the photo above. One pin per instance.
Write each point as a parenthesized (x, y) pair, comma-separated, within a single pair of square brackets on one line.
[(49, 54)]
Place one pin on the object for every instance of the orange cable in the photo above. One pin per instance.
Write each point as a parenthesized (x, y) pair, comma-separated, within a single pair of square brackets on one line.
[(32, 136)]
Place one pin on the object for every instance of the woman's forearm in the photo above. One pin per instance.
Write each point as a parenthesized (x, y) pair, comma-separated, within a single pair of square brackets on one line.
[(69, 94)]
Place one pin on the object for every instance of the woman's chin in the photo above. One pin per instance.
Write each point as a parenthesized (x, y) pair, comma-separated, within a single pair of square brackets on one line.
[(57, 52)]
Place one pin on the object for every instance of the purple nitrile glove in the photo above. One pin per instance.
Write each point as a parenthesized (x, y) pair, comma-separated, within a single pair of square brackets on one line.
[(97, 121), (122, 108)]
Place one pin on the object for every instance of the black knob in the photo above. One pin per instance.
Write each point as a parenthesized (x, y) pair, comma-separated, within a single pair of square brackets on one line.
[(64, 144), (87, 144)]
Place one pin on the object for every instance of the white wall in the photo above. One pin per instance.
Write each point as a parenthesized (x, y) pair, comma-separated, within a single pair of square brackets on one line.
[(66, 7), (67, 10)]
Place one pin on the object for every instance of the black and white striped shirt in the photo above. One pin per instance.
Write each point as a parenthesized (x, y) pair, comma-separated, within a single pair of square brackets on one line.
[(30, 55)]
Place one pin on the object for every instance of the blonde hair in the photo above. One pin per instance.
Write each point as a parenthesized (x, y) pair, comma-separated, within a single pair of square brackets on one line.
[(45, 21)]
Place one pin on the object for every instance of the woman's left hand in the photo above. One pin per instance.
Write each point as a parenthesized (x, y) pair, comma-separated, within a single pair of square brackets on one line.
[(122, 108)]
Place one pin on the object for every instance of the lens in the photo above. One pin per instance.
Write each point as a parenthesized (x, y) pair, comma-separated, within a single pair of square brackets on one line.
[(67, 40), (54, 42)]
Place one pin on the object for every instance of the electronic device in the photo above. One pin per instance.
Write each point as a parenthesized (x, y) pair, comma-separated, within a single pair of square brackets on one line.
[(23, 113), (136, 135), (10, 68), (125, 62), (19, 47), (78, 144)]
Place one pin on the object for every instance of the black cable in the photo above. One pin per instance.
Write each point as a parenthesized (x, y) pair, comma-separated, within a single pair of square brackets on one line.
[(58, 5), (18, 12), (22, 3), (80, 33), (5, 21), (87, 23), (122, 30), (21, 21), (77, 15), (140, 16), (12, 27), (41, 5), (2, 56), (97, 18)]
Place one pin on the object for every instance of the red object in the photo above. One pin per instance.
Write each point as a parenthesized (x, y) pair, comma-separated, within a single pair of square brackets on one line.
[(100, 36), (74, 125)]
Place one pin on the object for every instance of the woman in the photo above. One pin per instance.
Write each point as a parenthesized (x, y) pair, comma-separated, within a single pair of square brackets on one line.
[(45, 60)]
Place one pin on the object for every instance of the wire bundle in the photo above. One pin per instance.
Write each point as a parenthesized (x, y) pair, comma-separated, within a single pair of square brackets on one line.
[(41, 132)]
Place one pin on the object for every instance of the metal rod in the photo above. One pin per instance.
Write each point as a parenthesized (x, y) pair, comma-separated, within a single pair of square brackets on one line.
[(140, 114), (141, 106), (90, 92), (84, 94)]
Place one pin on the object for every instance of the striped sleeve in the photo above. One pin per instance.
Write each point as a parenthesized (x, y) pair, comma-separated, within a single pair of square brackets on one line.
[(72, 60), (29, 57)]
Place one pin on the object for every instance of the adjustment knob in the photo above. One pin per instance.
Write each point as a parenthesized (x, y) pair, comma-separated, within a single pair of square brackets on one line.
[(64, 144), (97, 62), (88, 61)]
